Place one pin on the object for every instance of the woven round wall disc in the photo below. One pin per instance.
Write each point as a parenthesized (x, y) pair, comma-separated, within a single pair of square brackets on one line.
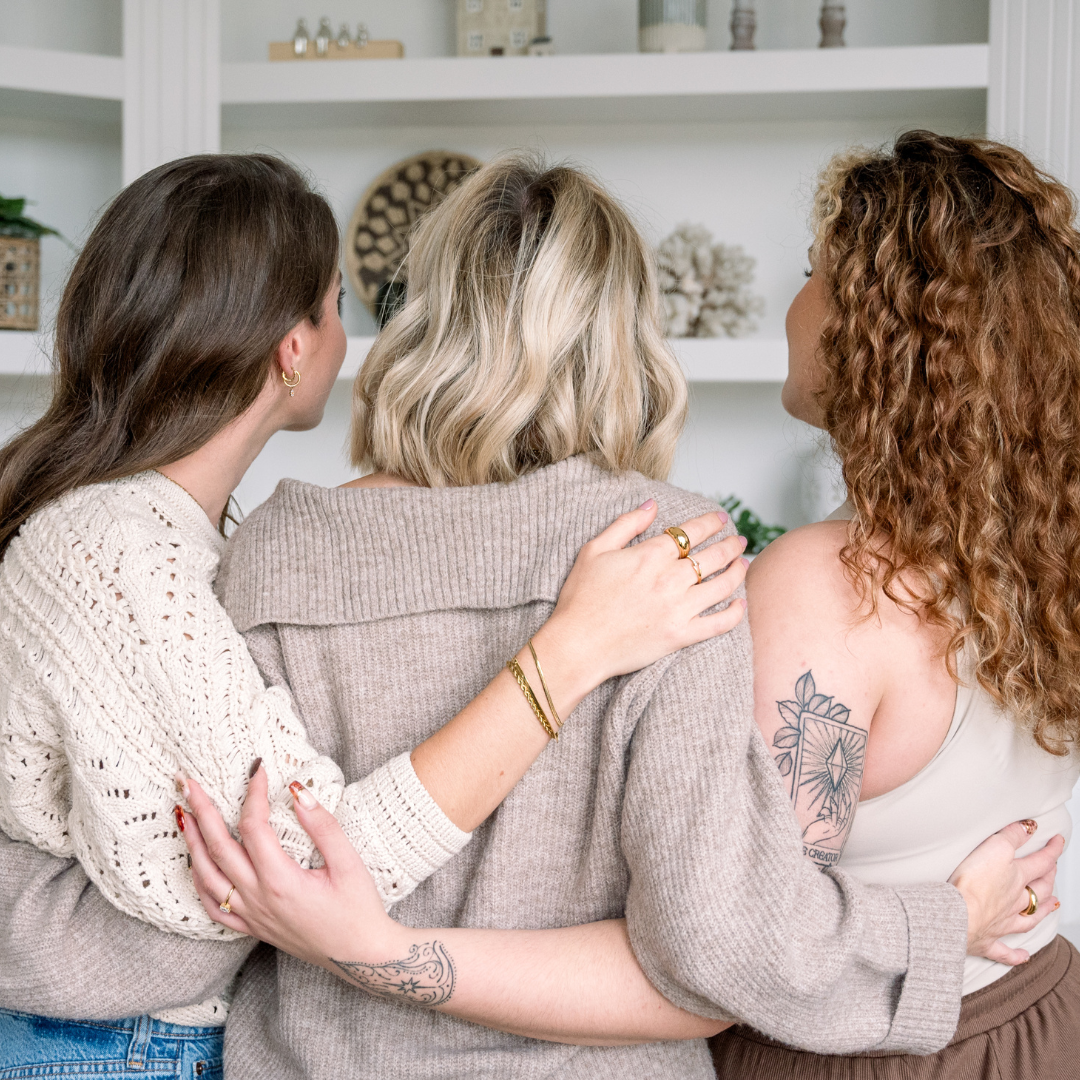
[(378, 236)]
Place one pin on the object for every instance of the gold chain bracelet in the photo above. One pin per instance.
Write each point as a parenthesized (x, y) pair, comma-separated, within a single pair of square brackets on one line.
[(530, 697)]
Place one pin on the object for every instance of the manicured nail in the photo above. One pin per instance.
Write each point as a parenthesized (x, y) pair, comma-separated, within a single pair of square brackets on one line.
[(722, 515), (648, 504), (302, 795), (254, 767), (178, 812), (1057, 905), (745, 561), (744, 542), (743, 602), (182, 785), (1029, 826)]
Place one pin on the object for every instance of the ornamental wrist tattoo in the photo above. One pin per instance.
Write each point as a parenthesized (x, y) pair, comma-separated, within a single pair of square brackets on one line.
[(424, 977)]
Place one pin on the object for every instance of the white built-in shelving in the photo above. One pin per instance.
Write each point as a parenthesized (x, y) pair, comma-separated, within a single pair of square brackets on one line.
[(705, 360)]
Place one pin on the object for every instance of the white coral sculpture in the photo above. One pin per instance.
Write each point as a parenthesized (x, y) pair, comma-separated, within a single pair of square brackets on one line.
[(706, 285)]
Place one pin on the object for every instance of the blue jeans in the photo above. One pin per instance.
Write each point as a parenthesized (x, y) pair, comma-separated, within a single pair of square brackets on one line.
[(33, 1046)]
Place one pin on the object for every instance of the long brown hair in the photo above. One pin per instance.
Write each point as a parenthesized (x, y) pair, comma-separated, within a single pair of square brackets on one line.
[(951, 350), (532, 331), (168, 325)]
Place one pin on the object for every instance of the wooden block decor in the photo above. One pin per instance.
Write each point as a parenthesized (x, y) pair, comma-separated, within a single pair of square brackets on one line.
[(377, 239), (499, 27), (373, 50), (20, 276)]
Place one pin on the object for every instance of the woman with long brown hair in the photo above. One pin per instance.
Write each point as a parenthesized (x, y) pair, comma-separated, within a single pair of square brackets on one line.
[(525, 389), (921, 653), (200, 318)]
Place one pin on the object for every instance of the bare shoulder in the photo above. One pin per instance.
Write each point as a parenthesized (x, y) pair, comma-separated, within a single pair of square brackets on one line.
[(805, 565)]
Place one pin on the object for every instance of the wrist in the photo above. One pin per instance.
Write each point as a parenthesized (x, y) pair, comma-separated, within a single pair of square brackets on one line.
[(571, 672), (974, 916)]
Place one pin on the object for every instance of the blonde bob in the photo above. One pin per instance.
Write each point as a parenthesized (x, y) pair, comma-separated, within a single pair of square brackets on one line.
[(531, 332)]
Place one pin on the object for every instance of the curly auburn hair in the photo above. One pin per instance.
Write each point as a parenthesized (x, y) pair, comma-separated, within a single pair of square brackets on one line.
[(951, 391)]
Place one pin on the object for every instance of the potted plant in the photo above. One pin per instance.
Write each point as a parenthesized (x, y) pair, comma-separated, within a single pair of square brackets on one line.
[(20, 265)]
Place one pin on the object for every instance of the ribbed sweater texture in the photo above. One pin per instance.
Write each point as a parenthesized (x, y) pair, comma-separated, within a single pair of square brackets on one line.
[(387, 610)]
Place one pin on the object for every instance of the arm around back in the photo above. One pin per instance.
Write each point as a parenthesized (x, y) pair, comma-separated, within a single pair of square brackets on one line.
[(727, 918), (65, 951)]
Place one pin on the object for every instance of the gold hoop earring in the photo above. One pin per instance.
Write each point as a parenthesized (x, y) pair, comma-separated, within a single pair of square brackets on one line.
[(295, 381)]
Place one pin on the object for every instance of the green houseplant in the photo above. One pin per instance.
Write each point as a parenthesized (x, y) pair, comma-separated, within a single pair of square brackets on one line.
[(748, 524)]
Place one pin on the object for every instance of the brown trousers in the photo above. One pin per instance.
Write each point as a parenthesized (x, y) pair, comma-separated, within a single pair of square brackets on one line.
[(1025, 1026)]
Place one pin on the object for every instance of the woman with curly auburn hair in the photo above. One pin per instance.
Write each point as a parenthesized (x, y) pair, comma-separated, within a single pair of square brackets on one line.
[(917, 659)]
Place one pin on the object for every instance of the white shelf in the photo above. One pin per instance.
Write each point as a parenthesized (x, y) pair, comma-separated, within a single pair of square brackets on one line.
[(710, 360), (630, 75), (608, 88), (53, 71), (707, 360)]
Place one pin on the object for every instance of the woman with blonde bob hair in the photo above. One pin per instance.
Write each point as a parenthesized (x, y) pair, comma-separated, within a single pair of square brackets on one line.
[(922, 652), (639, 876)]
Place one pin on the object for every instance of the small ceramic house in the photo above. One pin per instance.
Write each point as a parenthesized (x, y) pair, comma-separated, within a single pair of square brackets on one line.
[(499, 27)]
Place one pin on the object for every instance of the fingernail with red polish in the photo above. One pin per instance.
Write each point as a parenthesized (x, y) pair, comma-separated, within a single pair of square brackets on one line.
[(254, 767), (1057, 905), (302, 795), (648, 504), (178, 812), (1029, 826), (181, 784)]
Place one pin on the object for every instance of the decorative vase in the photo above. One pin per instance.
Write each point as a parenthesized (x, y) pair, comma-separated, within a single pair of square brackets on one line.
[(671, 26), (20, 282), (743, 25), (832, 22)]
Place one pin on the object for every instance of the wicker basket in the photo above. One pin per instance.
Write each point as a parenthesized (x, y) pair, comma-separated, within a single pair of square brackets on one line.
[(20, 279)]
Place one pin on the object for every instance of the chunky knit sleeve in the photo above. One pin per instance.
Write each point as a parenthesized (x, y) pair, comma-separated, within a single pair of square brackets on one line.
[(125, 670)]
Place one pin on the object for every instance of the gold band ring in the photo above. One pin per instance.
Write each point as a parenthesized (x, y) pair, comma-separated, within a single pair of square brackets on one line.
[(697, 569), (682, 541), (224, 905), (1033, 902)]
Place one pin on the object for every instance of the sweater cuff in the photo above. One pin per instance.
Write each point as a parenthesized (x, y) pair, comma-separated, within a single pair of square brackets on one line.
[(398, 828), (927, 1013)]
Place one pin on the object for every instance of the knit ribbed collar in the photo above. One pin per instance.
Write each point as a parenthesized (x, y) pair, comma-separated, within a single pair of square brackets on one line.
[(327, 556), (181, 509)]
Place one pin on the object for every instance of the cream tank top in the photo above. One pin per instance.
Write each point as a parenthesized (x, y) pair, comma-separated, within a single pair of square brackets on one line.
[(986, 773)]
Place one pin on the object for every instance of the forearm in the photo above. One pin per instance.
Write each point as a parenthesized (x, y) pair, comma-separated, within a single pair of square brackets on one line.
[(578, 984), (65, 951), (472, 763)]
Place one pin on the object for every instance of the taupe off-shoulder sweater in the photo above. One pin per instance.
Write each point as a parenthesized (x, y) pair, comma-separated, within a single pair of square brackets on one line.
[(383, 611)]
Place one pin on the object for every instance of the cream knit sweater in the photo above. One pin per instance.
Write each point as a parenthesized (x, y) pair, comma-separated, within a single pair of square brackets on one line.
[(122, 669)]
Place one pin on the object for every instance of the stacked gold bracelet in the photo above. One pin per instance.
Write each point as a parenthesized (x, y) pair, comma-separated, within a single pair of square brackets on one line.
[(530, 696)]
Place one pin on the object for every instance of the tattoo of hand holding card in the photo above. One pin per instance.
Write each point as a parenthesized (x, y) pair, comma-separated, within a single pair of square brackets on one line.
[(424, 977), (822, 759)]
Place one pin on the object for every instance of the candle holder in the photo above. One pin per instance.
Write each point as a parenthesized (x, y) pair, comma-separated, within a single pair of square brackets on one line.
[(832, 22), (743, 25)]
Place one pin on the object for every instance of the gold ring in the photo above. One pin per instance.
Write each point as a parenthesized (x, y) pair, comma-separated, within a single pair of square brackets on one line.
[(682, 541), (224, 905), (1033, 902), (697, 569)]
